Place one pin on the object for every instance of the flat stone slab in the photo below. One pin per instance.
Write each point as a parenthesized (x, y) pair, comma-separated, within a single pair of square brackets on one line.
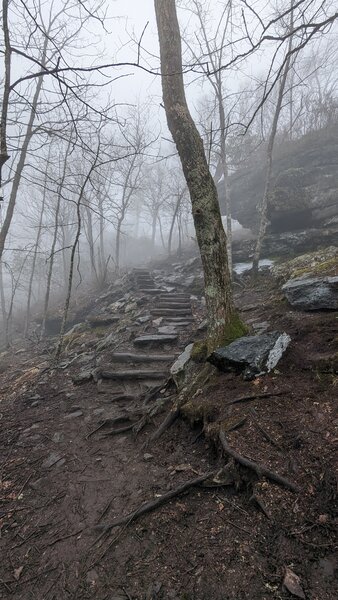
[(148, 340), (167, 330), (317, 293), (253, 355)]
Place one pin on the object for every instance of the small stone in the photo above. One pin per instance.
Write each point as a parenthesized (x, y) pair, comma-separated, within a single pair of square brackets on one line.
[(148, 456), (144, 319), (157, 322), (53, 459), (58, 437), (74, 415)]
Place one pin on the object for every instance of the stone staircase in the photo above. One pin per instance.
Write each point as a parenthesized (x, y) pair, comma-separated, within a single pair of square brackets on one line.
[(148, 361)]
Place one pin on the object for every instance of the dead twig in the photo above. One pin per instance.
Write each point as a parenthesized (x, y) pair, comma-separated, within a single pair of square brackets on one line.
[(153, 504), (66, 537), (258, 468), (263, 431)]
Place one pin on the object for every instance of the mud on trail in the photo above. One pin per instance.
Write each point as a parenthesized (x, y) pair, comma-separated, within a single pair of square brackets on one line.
[(76, 455)]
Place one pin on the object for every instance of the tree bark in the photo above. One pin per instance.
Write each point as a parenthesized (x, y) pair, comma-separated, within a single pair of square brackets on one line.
[(6, 91), (223, 323)]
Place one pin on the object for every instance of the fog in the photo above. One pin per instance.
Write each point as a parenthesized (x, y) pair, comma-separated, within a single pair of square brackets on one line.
[(94, 185)]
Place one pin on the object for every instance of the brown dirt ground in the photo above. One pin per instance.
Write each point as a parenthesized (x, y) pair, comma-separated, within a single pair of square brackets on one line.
[(211, 543)]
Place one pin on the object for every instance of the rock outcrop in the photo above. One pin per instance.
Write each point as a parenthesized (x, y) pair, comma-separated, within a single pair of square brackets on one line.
[(304, 185)]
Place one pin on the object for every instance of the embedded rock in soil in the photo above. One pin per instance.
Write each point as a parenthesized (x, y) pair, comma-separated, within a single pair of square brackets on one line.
[(252, 355), (318, 293), (179, 368)]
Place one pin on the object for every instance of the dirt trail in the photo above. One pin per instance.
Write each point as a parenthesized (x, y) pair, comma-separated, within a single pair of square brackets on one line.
[(60, 479)]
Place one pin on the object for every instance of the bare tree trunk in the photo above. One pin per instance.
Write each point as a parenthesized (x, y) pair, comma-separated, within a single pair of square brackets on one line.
[(161, 231), (267, 188), (7, 81), (90, 238), (3, 308), (22, 157), (225, 173), (223, 322), (55, 236), (118, 243), (72, 257), (179, 226), (179, 199), (35, 253), (15, 285), (153, 230), (103, 268)]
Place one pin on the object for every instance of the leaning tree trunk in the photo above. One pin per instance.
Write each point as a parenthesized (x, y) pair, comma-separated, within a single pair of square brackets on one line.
[(223, 323)]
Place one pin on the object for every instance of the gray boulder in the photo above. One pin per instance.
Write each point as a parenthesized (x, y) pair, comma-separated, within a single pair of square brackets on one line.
[(252, 355), (317, 293)]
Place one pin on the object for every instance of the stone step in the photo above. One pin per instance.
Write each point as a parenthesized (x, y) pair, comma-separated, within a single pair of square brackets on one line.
[(168, 312), (128, 357), (151, 291), (179, 324), (155, 340), (173, 305), (133, 375), (144, 278), (178, 320), (175, 296)]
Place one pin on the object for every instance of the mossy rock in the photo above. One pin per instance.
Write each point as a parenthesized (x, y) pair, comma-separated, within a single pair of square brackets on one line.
[(199, 352), (320, 263)]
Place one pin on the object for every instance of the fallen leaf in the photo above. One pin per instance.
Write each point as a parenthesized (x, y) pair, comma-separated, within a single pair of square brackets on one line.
[(292, 583), (17, 573)]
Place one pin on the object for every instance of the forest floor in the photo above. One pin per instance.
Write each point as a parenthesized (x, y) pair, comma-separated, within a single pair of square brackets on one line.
[(242, 539)]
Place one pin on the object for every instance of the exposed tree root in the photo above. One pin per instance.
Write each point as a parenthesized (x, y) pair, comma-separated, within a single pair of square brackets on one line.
[(258, 468), (168, 421), (153, 504), (254, 397)]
